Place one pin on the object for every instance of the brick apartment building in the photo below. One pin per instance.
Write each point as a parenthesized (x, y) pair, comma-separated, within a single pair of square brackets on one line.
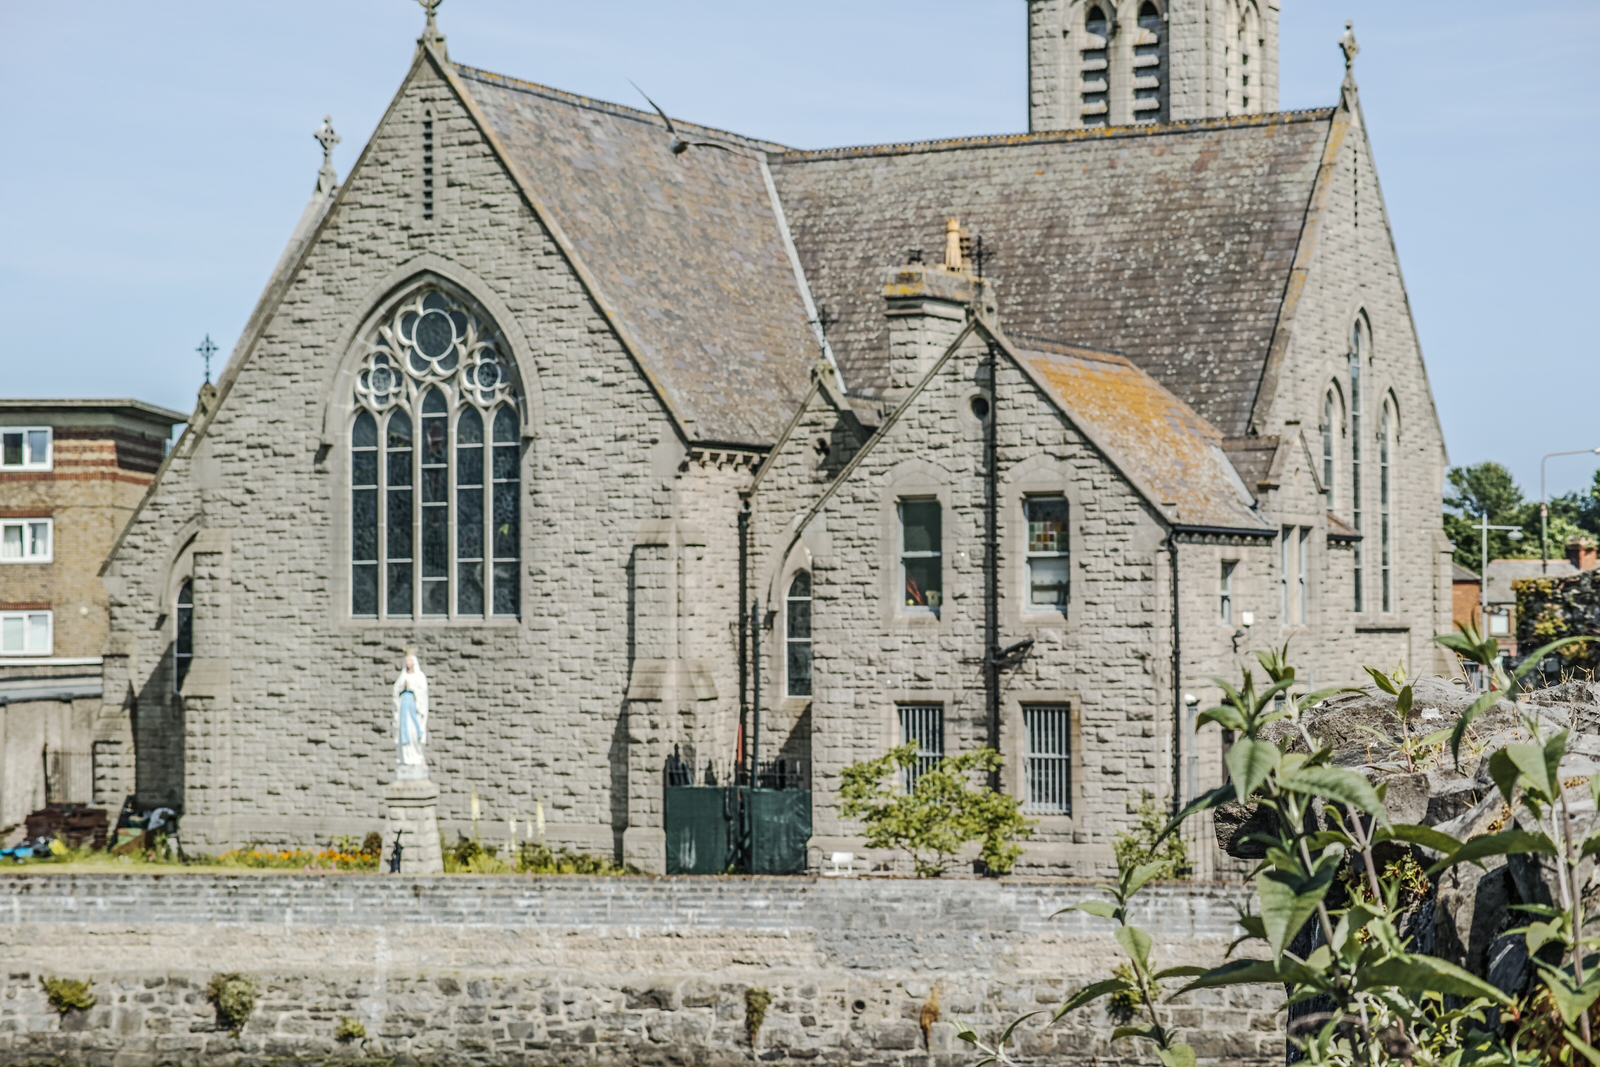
[(71, 473)]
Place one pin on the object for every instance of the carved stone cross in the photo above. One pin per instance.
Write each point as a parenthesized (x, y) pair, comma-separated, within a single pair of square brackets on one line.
[(327, 138), (1347, 45)]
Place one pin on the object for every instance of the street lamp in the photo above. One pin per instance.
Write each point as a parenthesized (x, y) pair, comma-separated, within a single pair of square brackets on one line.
[(1544, 507), (1514, 533)]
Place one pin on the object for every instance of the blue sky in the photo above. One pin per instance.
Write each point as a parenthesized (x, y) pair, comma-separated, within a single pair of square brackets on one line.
[(161, 153)]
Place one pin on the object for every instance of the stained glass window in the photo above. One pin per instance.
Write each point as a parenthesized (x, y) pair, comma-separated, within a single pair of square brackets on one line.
[(434, 507)]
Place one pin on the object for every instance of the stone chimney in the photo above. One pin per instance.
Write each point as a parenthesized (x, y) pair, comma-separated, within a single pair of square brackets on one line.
[(927, 306), (1582, 555)]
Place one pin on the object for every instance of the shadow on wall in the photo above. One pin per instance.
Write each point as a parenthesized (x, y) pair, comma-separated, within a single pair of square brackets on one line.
[(158, 740)]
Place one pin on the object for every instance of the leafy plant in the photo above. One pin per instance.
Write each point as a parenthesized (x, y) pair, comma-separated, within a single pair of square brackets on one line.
[(1139, 843), (756, 1002), (941, 814), (535, 858), (1331, 914), (234, 998), (349, 1030), (69, 994)]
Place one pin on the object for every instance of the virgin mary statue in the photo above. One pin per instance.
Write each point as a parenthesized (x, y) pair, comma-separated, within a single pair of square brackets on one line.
[(411, 719)]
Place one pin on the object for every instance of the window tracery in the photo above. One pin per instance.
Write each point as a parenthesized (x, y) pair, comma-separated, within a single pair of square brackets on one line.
[(423, 512)]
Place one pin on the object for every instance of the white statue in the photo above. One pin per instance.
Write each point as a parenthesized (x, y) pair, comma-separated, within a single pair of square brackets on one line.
[(411, 719)]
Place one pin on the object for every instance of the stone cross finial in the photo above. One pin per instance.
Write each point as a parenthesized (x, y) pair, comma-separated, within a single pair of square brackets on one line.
[(430, 32), (1348, 45), (207, 350), (327, 177)]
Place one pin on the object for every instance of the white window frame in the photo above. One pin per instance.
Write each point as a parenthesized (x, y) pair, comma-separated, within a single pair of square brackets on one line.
[(27, 527), (1063, 552), (1499, 622), (28, 464), (29, 620), (904, 554)]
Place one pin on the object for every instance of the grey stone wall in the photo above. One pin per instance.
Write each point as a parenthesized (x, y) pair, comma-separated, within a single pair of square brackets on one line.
[(514, 970)]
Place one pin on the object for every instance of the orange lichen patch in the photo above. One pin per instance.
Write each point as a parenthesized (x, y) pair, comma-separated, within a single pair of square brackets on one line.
[(1169, 452)]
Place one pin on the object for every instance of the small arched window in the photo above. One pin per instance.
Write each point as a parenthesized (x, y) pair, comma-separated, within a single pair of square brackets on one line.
[(797, 636), (1386, 526), (1250, 73), (183, 639), (434, 378), (1148, 74), (1096, 69), (1329, 414)]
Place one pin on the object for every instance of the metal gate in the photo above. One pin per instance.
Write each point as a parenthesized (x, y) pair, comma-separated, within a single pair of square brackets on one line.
[(712, 829)]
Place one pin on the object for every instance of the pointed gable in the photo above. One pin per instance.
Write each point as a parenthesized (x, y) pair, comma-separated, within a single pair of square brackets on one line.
[(685, 251), (1171, 244)]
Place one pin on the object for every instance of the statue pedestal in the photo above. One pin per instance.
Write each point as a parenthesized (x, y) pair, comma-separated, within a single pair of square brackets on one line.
[(413, 814)]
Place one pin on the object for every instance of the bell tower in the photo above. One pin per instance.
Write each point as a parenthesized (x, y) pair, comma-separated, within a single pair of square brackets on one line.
[(1127, 62)]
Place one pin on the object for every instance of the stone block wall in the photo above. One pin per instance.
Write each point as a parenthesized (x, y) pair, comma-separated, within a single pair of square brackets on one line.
[(515, 970)]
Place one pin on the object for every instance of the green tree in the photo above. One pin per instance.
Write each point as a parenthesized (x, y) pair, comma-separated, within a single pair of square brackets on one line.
[(943, 812), (1488, 487), (1146, 842), (1580, 508)]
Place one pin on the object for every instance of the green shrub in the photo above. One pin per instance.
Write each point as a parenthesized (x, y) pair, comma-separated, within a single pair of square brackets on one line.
[(372, 844), (942, 813), (756, 1002), (350, 1030), (234, 997), (69, 994), (1138, 845), (537, 859)]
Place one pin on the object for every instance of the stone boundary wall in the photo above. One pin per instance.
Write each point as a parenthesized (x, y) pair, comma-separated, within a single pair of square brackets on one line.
[(526, 970)]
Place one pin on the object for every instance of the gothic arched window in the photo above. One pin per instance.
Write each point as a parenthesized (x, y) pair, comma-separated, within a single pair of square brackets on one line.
[(1358, 345), (1385, 525), (183, 639), (797, 636), (1147, 72), (1329, 413), (435, 376), (1096, 73)]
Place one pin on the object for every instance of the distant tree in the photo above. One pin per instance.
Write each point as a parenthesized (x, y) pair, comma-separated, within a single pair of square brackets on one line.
[(1580, 509), (1488, 487)]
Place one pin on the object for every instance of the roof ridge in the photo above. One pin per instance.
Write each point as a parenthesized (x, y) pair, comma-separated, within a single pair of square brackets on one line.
[(999, 140), (649, 118)]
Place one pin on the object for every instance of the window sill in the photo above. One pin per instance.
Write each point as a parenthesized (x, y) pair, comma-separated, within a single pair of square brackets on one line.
[(1380, 627), (499, 622)]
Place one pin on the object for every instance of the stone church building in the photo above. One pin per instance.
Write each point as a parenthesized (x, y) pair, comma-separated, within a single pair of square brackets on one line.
[(1011, 440)]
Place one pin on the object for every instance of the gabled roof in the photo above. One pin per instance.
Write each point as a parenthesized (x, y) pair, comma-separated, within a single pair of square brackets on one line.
[(1172, 244), (685, 251), (1169, 453), (1503, 572)]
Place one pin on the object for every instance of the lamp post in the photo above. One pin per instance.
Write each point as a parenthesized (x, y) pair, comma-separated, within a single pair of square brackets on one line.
[(1512, 532), (1544, 507)]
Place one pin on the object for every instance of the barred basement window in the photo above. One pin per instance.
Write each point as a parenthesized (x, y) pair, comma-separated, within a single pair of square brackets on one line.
[(922, 725), (1049, 759), (1096, 67), (1048, 571), (1147, 72), (434, 379), (183, 640), (797, 636)]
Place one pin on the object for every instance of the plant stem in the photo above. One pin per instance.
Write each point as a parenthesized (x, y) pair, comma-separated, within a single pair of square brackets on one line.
[(1571, 874)]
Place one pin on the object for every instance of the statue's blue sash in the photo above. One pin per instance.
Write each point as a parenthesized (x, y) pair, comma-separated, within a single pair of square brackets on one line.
[(410, 724)]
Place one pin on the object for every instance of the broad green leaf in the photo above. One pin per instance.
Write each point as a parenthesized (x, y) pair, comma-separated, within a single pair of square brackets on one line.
[(1477, 707), (1591, 844), (1252, 972), (1402, 703), (1091, 993), (1503, 769), (1177, 1056), (1224, 716), (1540, 934), (1141, 874), (1571, 1000), (1136, 943), (1426, 836), (1504, 843), (1018, 1021), (1588, 1051), (1249, 762), (1178, 972), (1337, 784), (1420, 974), (1218, 796), (1102, 909), (1288, 900), (1146, 1031), (1535, 768), (1380, 679)]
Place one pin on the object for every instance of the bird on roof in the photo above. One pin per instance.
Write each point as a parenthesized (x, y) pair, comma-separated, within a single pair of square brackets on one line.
[(679, 146)]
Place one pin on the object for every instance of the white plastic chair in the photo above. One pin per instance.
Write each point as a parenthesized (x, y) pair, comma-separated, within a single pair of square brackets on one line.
[(840, 865)]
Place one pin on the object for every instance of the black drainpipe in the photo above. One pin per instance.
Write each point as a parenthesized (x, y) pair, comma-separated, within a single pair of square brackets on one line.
[(744, 636), (991, 560), (1177, 681)]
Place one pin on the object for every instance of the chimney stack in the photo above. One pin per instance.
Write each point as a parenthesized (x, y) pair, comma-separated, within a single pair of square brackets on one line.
[(927, 306), (1581, 554)]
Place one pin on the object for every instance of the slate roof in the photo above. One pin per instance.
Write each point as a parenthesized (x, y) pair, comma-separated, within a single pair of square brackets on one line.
[(1168, 452), (1170, 244), (685, 251), (1503, 572)]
